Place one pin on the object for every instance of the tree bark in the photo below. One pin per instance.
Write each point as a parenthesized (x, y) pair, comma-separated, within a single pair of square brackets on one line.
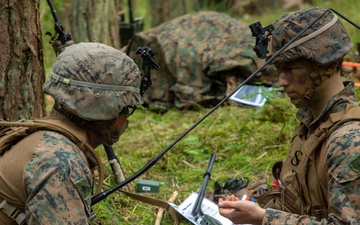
[(95, 20), (21, 62)]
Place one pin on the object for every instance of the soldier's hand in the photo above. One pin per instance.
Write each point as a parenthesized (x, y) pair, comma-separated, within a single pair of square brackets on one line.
[(243, 212)]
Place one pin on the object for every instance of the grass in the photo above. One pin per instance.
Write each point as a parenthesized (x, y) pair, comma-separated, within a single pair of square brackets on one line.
[(246, 141), (239, 137)]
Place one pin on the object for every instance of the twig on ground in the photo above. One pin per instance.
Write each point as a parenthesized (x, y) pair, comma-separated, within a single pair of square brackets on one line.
[(161, 210)]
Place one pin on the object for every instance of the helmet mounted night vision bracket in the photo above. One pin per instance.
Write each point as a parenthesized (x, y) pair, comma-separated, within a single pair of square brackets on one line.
[(262, 39), (148, 63)]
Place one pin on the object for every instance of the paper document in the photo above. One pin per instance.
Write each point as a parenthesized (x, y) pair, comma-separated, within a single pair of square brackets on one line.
[(208, 207), (250, 95)]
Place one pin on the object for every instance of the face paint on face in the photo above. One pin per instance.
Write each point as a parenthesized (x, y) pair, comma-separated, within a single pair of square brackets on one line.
[(118, 133), (295, 80), (120, 125), (118, 128)]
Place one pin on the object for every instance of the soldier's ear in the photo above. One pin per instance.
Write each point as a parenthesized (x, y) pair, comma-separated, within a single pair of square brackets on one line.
[(332, 68)]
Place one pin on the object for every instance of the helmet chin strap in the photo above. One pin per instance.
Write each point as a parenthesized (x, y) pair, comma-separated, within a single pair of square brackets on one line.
[(110, 138), (315, 77)]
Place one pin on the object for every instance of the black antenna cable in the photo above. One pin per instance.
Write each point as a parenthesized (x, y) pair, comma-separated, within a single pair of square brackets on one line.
[(152, 162)]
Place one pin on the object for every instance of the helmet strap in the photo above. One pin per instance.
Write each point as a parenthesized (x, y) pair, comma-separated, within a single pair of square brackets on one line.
[(106, 134), (103, 130), (315, 77)]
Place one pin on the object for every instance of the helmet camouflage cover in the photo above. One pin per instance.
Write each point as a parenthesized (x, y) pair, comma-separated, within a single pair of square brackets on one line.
[(94, 81), (326, 41)]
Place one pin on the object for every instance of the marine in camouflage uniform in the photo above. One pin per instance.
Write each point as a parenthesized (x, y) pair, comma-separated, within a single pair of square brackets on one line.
[(46, 175), (320, 177), (203, 57)]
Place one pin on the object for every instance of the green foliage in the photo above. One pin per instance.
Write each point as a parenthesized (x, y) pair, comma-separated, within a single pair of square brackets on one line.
[(238, 136), (246, 141)]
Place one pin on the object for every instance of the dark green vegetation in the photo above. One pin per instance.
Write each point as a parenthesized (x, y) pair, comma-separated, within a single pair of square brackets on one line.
[(246, 141)]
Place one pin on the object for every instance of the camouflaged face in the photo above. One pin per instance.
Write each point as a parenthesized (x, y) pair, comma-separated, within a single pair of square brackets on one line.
[(326, 47), (94, 81)]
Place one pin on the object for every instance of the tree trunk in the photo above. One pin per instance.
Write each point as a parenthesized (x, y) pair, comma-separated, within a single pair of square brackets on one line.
[(95, 20), (21, 62), (161, 11)]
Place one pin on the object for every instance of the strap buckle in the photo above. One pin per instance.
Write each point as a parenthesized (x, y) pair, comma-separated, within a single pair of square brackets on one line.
[(13, 212)]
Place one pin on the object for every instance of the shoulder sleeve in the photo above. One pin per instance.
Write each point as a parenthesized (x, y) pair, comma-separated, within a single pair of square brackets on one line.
[(343, 163), (58, 183)]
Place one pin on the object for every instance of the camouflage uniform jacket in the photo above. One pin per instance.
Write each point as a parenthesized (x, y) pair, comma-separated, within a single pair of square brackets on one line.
[(47, 176), (330, 186)]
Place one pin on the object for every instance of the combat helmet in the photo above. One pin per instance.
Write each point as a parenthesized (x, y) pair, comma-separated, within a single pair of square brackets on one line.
[(94, 81), (325, 42)]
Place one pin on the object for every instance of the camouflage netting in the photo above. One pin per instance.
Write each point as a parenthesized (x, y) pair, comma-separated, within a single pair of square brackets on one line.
[(203, 56)]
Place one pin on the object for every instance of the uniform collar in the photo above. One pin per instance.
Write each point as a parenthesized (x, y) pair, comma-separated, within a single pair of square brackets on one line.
[(335, 104)]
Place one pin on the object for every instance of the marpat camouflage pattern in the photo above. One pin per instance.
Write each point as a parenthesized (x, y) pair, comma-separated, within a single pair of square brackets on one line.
[(46, 175), (109, 81), (327, 47), (342, 154)]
